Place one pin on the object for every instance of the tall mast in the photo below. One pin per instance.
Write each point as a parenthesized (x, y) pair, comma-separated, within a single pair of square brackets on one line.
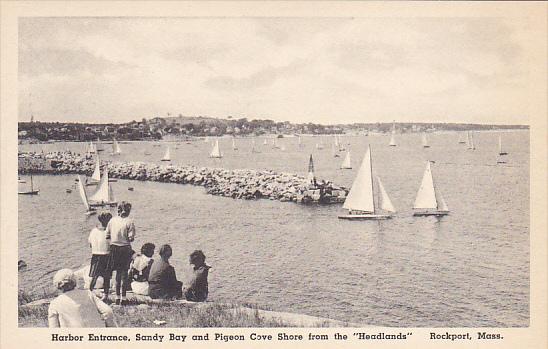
[(371, 173)]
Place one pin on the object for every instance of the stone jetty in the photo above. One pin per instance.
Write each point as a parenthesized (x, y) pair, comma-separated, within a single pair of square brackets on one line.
[(238, 184)]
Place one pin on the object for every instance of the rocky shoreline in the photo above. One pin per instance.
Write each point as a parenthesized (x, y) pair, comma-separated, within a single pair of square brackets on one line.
[(239, 184)]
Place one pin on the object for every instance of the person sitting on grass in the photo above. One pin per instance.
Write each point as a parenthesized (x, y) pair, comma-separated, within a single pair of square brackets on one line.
[(140, 269), (162, 281), (100, 255), (197, 290), (77, 308)]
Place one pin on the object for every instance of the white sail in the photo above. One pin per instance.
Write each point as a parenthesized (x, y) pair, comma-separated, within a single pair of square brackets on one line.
[(424, 141), (216, 152), (346, 164), (393, 135), (92, 148), (442, 206), (234, 147), (83, 194), (337, 141), (265, 142), (461, 140), (96, 176), (426, 196), (472, 145), (116, 147), (360, 196), (386, 204), (102, 194), (167, 155), (300, 141)]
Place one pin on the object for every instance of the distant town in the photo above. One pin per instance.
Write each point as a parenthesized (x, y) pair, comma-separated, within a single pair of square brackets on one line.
[(184, 127)]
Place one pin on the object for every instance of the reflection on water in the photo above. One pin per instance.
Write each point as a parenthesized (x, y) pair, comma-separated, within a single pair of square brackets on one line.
[(470, 268)]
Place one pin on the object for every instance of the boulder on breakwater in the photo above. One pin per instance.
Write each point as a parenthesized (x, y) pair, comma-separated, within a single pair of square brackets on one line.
[(238, 184)]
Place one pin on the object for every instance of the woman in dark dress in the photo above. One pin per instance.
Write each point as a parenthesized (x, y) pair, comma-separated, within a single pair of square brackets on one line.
[(162, 281)]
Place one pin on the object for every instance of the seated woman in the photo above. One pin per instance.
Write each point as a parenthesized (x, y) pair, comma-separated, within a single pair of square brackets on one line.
[(77, 308), (139, 269), (197, 290), (162, 281)]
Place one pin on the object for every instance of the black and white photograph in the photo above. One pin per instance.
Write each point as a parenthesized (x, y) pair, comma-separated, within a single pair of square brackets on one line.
[(347, 171)]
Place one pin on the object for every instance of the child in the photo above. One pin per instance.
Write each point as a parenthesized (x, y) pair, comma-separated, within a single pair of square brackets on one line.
[(120, 233), (100, 258), (140, 268), (77, 308), (197, 290)]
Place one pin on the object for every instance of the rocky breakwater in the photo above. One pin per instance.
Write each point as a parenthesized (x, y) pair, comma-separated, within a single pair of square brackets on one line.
[(238, 184)]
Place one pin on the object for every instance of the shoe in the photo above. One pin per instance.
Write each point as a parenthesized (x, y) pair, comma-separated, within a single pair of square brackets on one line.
[(125, 302), (117, 301)]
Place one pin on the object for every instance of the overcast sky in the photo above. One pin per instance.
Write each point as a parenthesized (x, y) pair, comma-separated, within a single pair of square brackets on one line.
[(298, 69)]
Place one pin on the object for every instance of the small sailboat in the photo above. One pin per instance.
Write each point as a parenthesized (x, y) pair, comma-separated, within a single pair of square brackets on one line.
[(311, 178), (335, 151), (116, 148), (347, 163), (167, 155), (91, 148), (103, 195), (425, 141), (360, 202), (84, 197), (265, 142), (461, 139), (501, 152), (429, 201), (470, 141), (393, 135), (96, 175), (319, 146), (300, 142), (275, 144), (32, 191), (216, 152), (234, 147)]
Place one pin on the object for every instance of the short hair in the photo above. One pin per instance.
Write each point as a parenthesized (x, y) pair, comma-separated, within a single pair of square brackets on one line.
[(197, 257), (124, 208), (165, 251), (64, 280), (148, 249), (104, 217)]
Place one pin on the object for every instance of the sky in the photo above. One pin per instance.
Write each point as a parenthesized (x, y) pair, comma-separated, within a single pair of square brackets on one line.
[(322, 70)]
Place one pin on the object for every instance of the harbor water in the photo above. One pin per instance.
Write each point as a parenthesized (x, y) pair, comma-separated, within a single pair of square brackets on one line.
[(467, 269)]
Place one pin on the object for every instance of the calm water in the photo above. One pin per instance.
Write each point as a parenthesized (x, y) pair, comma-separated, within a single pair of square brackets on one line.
[(470, 268)]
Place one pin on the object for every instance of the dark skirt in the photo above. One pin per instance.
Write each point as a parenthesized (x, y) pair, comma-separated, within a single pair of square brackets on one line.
[(100, 265), (120, 257)]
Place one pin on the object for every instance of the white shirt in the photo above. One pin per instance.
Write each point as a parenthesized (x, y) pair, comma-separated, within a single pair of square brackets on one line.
[(98, 241), (79, 308), (121, 231)]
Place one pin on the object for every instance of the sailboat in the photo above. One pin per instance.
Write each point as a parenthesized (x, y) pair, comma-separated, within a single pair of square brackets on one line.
[(234, 147), (265, 142), (471, 144), (501, 152), (360, 201), (319, 146), (116, 148), (429, 201), (425, 141), (335, 151), (346, 164), (300, 142), (216, 152), (84, 197), (91, 148), (275, 143), (461, 140), (311, 178), (32, 191), (96, 176), (393, 135), (167, 155), (103, 195)]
